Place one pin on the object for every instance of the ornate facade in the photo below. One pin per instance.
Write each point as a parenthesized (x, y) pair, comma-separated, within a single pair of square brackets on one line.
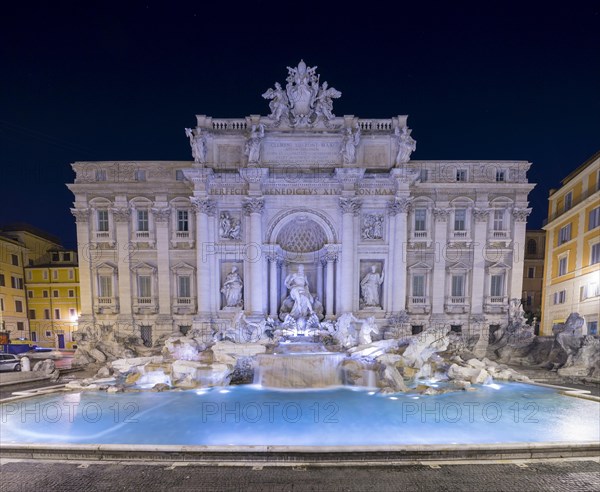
[(376, 233)]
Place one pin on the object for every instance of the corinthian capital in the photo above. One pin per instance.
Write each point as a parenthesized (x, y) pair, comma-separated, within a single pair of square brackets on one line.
[(481, 214), (161, 214), (441, 214), (204, 206), (520, 214), (121, 214), (81, 214), (350, 205), (253, 206), (399, 205)]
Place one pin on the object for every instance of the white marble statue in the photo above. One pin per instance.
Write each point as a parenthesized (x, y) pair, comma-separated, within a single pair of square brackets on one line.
[(406, 144), (252, 149), (297, 283), (229, 227), (368, 328), (279, 104), (198, 144), (349, 143), (324, 102), (369, 288), (232, 289)]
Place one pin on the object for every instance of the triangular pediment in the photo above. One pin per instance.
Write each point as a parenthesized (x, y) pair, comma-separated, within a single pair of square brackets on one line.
[(182, 267), (499, 266), (459, 267), (144, 267), (420, 266)]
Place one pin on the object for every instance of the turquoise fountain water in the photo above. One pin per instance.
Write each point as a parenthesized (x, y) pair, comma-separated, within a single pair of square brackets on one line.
[(251, 415)]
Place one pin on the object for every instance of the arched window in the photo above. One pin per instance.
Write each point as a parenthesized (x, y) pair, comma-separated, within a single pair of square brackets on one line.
[(532, 247)]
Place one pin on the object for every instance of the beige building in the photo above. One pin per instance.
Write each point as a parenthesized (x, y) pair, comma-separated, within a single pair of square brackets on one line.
[(572, 265), (13, 303), (53, 299), (533, 272)]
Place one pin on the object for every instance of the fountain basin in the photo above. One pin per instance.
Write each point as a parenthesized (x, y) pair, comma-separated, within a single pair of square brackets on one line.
[(513, 415)]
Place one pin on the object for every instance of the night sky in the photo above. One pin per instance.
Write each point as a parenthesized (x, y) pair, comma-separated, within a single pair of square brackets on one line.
[(121, 80)]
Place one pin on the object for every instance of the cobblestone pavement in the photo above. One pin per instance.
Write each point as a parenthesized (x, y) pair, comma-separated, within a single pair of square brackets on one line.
[(547, 476)]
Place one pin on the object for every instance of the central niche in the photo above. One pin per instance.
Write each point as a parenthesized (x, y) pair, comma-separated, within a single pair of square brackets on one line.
[(301, 235)]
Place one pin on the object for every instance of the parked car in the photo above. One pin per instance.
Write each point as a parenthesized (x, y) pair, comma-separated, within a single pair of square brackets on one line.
[(9, 362)]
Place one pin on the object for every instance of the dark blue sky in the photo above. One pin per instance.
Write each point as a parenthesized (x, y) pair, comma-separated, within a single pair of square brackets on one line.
[(121, 80)]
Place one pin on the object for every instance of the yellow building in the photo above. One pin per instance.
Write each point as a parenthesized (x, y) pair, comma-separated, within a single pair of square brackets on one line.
[(533, 273), (13, 303), (572, 264), (53, 299)]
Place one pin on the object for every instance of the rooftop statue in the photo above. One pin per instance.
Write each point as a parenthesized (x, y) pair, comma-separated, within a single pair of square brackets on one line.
[(304, 102)]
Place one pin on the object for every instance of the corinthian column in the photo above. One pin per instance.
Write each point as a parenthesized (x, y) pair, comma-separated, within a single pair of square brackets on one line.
[(161, 226), (274, 262), (253, 208), (439, 265), (204, 207), (86, 257), (121, 218), (481, 216), (399, 210), (330, 257), (350, 208), (520, 222)]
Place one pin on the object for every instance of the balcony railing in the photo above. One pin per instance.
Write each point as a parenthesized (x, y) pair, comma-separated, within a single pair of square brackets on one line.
[(497, 300), (418, 300), (499, 234), (460, 234), (456, 300), (105, 300), (105, 305), (182, 234), (142, 235), (420, 234), (145, 304), (183, 305)]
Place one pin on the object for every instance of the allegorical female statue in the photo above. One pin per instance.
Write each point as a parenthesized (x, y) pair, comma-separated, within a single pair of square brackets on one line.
[(232, 289), (369, 288)]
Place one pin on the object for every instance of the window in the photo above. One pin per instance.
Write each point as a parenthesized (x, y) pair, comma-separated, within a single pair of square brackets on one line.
[(30, 294), (71, 293), (48, 334), (595, 254), (460, 219), (71, 274), (562, 266), (498, 220), (183, 286), (144, 286), (420, 219), (105, 285), (100, 175), (497, 285), (531, 247), (531, 272), (418, 286), (140, 175), (15, 260), (33, 336), (593, 328), (18, 306), (529, 300), (45, 293), (54, 293), (29, 275), (456, 328), (103, 220), (182, 221), (500, 175), (46, 314), (424, 175), (72, 313), (32, 314), (45, 274), (20, 325), (67, 256), (2, 281), (55, 257), (458, 286), (142, 220), (564, 234), (1, 304), (461, 175), (568, 201), (594, 219), (179, 175), (588, 291), (560, 297), (416, 329), (16, 282), (57, 313), (54, 274)]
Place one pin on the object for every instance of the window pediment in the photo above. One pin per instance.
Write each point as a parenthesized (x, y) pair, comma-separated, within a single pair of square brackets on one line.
[(420, 267), (459, 267), (498, 267), (144, 268), (182, 268)]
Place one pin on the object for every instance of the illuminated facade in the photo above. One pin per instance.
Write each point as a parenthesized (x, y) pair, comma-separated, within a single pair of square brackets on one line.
[(572, 265)]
